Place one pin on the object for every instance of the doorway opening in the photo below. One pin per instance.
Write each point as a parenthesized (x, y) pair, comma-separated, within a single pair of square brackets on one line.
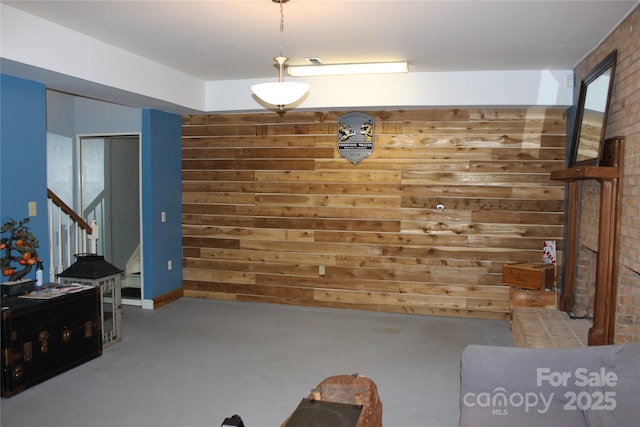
[(109, 193)]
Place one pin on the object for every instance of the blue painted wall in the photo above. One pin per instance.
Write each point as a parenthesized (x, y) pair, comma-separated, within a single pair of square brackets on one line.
[(23, 164), (161, 192), (23, 178)]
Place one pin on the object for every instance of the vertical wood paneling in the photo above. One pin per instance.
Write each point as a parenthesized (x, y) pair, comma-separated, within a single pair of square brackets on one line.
[(268, 202)]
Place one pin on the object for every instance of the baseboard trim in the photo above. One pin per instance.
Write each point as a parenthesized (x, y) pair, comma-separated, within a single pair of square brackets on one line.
[(131, 301), (168, 298)]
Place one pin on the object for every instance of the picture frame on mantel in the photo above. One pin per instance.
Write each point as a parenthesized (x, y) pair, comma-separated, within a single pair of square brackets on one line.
[(591, 114)]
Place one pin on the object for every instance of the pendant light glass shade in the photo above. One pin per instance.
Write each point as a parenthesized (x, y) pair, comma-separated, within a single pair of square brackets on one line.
[(280, 93)]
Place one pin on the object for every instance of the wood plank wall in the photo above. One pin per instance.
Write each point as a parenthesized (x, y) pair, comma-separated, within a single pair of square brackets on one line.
[(268, 202)]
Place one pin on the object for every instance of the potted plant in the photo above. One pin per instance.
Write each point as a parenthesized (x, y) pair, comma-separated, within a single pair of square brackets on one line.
[(18, 247)]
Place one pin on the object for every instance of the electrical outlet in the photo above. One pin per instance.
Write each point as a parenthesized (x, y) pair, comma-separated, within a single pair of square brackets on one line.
[(321, 270), (33, 209), (169, 265), (163, 216)]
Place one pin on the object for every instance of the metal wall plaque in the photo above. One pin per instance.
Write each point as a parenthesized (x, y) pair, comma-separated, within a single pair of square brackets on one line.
[(355, 136)]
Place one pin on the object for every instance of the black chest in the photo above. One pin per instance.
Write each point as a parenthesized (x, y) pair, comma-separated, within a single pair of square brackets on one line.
[(42, 338)]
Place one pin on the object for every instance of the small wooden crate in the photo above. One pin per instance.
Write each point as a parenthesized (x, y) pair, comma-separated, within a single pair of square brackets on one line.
[(529, 276)]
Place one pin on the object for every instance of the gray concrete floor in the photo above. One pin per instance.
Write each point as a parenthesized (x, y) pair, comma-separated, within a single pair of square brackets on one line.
[(195, 362)]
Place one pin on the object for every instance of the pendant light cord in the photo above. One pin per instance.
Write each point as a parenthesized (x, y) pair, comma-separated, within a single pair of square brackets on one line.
[(280, 93), (281, 25)]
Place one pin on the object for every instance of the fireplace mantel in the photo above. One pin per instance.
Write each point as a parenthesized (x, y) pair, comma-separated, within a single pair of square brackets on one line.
[(609, 174)]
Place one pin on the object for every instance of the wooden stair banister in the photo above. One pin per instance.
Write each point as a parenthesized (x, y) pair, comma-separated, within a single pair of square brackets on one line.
[(68, 235), (67, 210)]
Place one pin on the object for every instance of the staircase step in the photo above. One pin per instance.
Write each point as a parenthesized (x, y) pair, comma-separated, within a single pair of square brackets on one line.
[(131, 293)]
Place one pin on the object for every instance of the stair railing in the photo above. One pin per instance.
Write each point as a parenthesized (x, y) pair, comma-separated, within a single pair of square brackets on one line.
[(68, 235)]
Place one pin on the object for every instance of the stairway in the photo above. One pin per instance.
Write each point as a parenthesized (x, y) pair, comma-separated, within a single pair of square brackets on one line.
[(131, 284)]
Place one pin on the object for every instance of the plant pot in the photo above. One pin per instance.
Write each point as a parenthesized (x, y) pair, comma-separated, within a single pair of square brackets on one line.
[(17, 287)]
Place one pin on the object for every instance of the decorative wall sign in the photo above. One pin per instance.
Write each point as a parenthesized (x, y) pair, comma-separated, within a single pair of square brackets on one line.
[(355, 136)]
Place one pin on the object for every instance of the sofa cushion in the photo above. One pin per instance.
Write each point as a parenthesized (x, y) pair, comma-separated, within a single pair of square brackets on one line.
[(558, 383)]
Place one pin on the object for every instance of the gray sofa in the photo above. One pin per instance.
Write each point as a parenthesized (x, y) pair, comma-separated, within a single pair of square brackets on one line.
[(584, 386)]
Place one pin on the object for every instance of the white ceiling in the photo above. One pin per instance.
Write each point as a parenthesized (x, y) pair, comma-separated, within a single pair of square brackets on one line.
[(226, 40)]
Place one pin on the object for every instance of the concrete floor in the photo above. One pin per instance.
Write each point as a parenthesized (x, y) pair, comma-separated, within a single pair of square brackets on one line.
[(195, 362)]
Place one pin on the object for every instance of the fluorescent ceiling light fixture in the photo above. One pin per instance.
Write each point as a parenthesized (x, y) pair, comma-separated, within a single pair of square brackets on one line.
[(338, 69)]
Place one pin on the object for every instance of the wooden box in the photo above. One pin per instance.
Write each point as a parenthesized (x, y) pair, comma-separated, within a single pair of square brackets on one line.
[(44, 337), (529, 276)]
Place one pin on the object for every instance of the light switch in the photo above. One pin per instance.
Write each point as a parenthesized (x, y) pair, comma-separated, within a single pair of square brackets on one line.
[(570, 81), (33, 209), (163, 216)]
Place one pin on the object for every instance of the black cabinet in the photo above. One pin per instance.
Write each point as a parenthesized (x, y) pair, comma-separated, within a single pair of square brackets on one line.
[(42, 338)]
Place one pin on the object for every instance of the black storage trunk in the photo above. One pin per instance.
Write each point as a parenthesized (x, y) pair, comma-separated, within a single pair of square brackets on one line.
[(42, 338)]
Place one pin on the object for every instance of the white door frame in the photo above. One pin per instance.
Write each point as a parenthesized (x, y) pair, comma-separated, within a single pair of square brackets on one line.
[(78, 192)]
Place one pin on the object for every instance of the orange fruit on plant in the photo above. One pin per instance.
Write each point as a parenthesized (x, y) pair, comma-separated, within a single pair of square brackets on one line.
[(7, 272), (19, 242), (31, 261), (26, 255)]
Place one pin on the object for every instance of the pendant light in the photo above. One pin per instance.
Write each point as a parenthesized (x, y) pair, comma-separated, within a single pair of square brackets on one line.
[(280, 93)]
